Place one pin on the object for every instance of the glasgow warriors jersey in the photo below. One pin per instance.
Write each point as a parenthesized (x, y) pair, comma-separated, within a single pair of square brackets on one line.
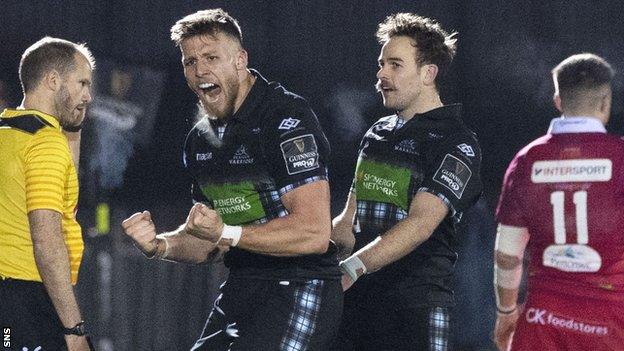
[(270, 146), (432, 152)]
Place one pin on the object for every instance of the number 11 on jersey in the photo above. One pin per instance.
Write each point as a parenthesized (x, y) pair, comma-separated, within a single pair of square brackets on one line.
[(557, 199), (577, 257)]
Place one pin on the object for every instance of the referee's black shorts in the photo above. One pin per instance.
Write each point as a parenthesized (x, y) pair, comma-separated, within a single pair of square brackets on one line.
[(255, 314), (27, 311)]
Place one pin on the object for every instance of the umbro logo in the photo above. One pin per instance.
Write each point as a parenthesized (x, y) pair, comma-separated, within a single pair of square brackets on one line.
[(466, 149), (289, 123)]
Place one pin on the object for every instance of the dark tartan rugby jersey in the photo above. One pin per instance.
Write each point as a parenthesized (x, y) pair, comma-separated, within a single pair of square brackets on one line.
[(433, 152), (270, 146)]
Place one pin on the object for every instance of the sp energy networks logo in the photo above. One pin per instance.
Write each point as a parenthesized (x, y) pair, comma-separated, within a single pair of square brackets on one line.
[(546, 318), (237, 203)]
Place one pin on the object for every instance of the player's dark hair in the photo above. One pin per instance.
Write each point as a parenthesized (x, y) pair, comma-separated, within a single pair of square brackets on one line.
[(209, 22), (434, 44), (581, 76), (49, 54)]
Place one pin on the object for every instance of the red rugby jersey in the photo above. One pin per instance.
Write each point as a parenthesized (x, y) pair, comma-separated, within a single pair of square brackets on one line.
[(567, 189)]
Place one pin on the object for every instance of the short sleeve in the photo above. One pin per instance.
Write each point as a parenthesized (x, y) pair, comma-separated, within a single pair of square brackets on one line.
[(294, 147), (508, 210), (47, 163), (453, 172)]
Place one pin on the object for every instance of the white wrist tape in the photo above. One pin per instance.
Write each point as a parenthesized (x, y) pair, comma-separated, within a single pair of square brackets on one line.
[(232, 232), (351, 266)]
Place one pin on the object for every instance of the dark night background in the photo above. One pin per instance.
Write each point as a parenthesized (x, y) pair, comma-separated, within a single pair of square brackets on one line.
[(325, 51)]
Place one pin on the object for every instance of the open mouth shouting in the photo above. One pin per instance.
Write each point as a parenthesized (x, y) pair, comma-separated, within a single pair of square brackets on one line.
[(210, 91)]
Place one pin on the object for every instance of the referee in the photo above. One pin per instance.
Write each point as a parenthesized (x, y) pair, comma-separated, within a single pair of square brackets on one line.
[(417, 171), (258, 161), (40, 241)]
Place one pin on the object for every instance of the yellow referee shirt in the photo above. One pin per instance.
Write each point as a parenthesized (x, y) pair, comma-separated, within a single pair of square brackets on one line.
[(36, 172)]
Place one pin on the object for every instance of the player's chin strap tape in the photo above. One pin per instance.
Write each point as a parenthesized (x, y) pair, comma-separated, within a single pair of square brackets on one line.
[(354, 267)]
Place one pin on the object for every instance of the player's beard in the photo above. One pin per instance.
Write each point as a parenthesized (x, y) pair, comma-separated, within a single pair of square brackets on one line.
[(65, 108), (226, 109)]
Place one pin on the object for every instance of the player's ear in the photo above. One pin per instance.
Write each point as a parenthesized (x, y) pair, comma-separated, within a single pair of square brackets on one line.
[(52, 80), (429, 74), (557, 101), (605, 104), (241, 60)]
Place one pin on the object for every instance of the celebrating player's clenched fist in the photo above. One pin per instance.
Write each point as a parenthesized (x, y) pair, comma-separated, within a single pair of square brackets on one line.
[(141, 229), (204, 223)]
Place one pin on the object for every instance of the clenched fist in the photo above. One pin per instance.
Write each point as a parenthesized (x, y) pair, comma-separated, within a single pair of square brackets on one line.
[(141, 229), (204, 223)]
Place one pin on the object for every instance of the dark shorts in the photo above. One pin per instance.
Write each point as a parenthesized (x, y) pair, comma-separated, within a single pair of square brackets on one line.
[(254, 314), (378, 322), (26, 309)]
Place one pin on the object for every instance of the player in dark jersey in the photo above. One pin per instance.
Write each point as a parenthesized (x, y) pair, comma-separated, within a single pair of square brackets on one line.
[(256, 160), (417, 171), (562, 200)]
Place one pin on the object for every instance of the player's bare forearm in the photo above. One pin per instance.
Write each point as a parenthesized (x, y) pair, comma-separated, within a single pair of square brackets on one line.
[(177, 246), (187, 248), (305, 230), (426, 213), (52, 261), (507, 297), (342, 229)]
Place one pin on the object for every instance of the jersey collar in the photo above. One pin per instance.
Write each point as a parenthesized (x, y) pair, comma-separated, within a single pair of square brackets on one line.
[(253, 98), (577, 124), (9, 112), (452, 111)]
